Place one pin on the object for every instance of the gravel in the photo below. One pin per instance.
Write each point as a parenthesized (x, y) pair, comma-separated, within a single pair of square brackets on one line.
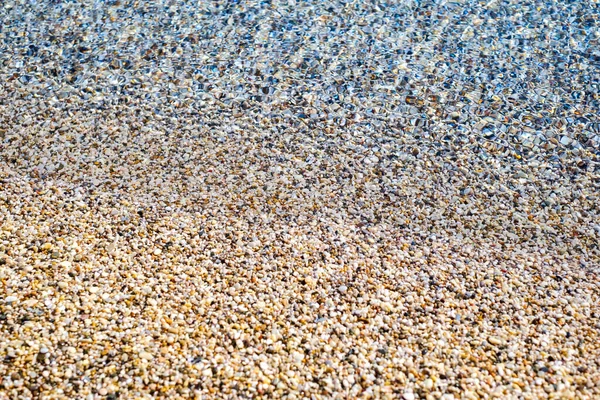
[(299, 199)]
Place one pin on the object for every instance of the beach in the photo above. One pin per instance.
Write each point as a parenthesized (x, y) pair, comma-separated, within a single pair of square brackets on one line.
[(299, 199)]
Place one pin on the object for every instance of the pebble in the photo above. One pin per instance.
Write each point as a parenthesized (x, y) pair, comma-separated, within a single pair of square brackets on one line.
[(494, 340), (428, 384), (298, 357), (566, 140), (30, 302)]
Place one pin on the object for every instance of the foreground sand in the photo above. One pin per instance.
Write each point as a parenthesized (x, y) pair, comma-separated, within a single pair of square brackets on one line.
[(312, 233)]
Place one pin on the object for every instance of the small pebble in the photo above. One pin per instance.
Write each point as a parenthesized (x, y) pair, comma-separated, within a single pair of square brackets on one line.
[(428, 384), (494, 340)]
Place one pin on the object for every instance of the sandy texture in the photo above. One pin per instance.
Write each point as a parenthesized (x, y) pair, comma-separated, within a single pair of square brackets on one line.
[(295, 199)]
